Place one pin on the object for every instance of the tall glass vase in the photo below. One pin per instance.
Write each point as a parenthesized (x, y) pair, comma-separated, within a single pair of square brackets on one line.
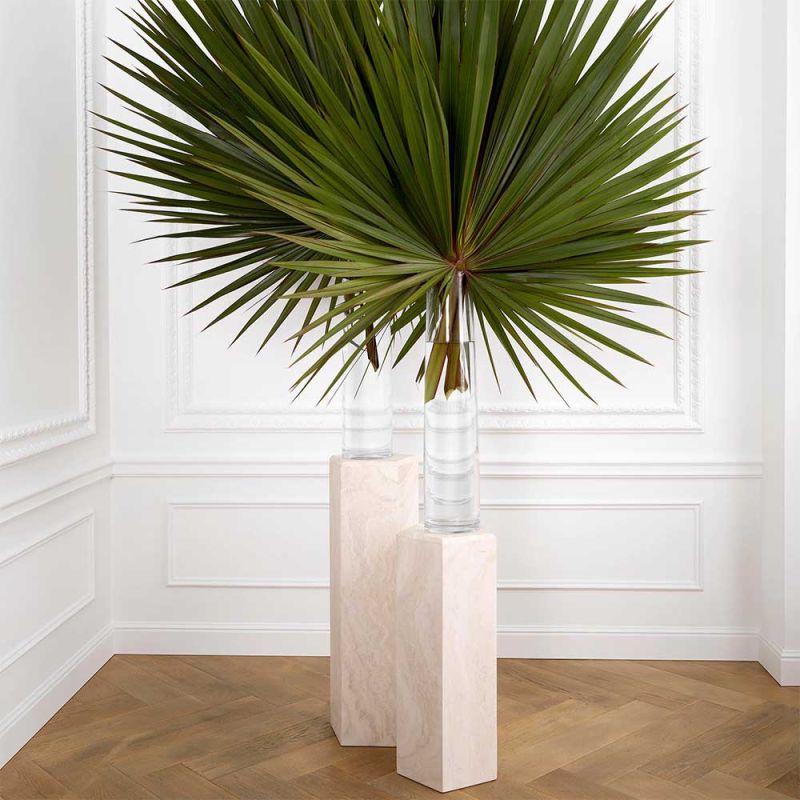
[(452, 503), (367, 401)]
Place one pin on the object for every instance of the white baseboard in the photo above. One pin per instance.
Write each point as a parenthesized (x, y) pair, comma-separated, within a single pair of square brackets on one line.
[(783, 665), (22, 722), (227, 638), (183, 638), (651, 643)]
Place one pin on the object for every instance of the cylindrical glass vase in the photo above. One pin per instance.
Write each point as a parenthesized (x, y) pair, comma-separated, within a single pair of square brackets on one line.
[(452, 502), (367, 402)]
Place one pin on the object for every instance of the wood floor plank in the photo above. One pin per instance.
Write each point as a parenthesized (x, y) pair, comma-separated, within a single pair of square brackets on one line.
[(400, 788), (524, 731), (664, 679), (186, 678), (174, 727), (260, 748), (630, 688), (720, 786), (108, 783), (558, 682), (22, 778), (725, 742), (660, 738), (181, 783), (140, 683), (94, 691), (768, 760), (291, 765), (367, 764), (755, 683), (72, 717), (562, 785), (649, 787), (274, 678), (88, 746), (255, 783), (331, 783), (558, 751), (528, 694), (788, 784), (197, 734), (504, 789)]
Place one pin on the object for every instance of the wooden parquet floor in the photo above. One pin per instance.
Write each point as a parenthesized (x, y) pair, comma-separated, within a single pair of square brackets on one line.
[(202, 727)]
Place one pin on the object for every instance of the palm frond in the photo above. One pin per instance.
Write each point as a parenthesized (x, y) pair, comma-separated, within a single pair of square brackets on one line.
[(353, 156)]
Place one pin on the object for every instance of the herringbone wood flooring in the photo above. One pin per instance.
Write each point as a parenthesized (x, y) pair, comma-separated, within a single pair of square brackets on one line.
[(199, 727)]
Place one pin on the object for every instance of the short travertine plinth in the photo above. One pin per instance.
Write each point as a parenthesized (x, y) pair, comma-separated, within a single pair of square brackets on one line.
[(446, 658), (371, 501)]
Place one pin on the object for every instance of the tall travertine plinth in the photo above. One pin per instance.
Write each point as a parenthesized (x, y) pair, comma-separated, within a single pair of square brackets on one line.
[(371, 501), (446, 658)]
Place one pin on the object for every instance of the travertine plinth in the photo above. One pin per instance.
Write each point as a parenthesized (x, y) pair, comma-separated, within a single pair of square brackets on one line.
[(446, 658), (371, 501)]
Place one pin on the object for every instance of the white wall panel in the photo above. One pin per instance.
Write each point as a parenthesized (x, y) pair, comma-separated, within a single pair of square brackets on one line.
[(55, 575), (247, 544), (669, 557), (597, 545), (46, 275), (611, 546), (55, 604)]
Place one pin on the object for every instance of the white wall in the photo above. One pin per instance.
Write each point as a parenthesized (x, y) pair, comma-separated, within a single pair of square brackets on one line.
[(780, 546), (55, 596), (625, 530)]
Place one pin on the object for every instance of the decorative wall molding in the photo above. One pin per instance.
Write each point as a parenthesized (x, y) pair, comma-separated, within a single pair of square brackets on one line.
[(184, 413), (25, 440), (7, 659), (175, 579), (695, 584), (689, 54), (55, 491), (490, 470)]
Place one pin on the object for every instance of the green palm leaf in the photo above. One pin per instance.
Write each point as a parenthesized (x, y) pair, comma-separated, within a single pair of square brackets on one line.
[(352, 156)]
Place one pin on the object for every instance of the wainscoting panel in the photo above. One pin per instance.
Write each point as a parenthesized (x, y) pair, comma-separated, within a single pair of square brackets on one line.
[(55, 601), (597, 546), (269, 544), (655, 563), (43, 584)]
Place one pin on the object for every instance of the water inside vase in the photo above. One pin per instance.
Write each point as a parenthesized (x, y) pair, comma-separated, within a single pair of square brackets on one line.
[(452, 501), (367, 409)]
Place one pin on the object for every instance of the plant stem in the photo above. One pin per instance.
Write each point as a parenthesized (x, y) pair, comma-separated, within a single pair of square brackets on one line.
[(372, 347), (446, 349)]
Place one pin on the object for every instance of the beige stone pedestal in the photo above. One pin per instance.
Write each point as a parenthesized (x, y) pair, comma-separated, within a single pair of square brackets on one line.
[(446, 658), (371, 501)]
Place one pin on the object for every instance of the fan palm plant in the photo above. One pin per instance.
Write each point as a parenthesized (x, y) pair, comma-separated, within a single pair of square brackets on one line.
[(361, 155)]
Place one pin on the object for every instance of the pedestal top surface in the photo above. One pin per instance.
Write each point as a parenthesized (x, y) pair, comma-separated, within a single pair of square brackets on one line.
[(421, 532), (373, 463)]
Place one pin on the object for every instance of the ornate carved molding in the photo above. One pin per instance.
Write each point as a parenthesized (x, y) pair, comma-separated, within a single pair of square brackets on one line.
[(25, 440)]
